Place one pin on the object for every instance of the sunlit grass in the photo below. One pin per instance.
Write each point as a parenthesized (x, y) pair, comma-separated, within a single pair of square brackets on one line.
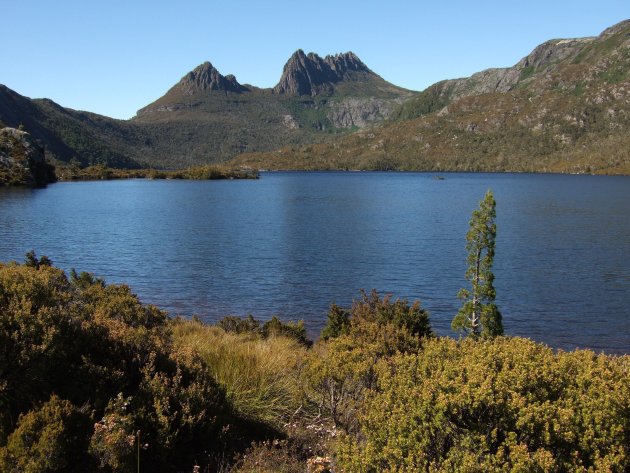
[(261, 377)]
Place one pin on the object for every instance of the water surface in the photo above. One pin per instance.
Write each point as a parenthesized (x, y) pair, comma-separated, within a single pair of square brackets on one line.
[(292, 243)]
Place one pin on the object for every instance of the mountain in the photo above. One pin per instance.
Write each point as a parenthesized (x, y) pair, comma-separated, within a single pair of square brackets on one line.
[(565, 107), (208, 117), (311, 75), (206, 77)]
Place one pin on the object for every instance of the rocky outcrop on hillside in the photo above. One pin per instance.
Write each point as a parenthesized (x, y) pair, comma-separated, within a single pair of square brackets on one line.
[(543, 57), (546, 58), (359, 112), (309, 74), (206, 77), (22, 161)]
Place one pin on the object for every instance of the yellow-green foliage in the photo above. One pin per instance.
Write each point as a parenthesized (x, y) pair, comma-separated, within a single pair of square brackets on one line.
[(341, 368), (87, 373), (89, 343), (47, 439), (507, 404), (261, 376)]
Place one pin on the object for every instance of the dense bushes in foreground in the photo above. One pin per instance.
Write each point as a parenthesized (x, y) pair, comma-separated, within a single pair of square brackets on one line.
[(92, 380), (85, 369), (500, 405)]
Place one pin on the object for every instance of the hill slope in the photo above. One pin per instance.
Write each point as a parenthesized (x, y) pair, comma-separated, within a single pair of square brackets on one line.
[(565, 107), (67, 134)]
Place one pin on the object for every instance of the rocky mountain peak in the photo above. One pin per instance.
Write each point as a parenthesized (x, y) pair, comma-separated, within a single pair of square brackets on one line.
[(309, 74), (206, 77), (345, 63)]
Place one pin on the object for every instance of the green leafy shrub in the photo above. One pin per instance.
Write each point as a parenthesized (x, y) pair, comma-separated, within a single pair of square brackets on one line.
[(341, 368), (50, 438), (235, 324), (382, 311), (275, 327), (114, 442), (494, 405), (338, 322), (87, 342)]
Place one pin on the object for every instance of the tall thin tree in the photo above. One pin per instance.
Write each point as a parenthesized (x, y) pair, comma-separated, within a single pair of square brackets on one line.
[(479, 316)]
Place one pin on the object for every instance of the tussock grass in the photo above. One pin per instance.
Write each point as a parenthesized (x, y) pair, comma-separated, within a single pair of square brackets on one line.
[(261, 377)]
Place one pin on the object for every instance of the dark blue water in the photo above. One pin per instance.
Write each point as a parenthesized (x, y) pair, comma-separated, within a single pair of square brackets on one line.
[(292, 243)]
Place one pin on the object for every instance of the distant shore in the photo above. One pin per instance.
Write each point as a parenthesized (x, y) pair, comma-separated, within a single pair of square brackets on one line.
[(100, 172)]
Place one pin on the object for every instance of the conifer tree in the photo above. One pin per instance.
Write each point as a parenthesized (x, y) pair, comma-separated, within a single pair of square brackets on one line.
[(479, 316)]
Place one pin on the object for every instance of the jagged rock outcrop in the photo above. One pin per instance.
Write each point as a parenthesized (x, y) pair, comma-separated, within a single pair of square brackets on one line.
[(22, 161), (206, 77), (359, 112), (309, 74), (502, 80)]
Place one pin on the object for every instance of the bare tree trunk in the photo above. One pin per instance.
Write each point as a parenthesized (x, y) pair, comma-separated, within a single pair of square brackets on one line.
[(474, 322)]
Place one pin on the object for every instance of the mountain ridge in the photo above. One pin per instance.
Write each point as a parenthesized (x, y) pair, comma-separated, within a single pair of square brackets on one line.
[(564, 107), (309, 74), (566, 96)]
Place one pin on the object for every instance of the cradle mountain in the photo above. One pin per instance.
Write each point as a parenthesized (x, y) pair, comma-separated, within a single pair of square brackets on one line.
[(565, 107)]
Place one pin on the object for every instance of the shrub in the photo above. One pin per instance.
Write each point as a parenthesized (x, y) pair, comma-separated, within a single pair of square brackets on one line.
[(87, 341), (50, 438), (371, 308), (274, 327), (338, 323), (341, 367), (270, 457), (341, 370), (507, 404), (236, 324), (114, 442)]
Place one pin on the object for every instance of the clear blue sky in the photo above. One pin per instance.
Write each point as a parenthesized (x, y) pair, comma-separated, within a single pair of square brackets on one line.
[(114, 57)]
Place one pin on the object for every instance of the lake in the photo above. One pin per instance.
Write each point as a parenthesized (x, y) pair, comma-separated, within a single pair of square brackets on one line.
[(292, 243)]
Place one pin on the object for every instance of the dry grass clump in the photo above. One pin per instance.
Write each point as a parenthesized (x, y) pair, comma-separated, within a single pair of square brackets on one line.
[(261, 376)]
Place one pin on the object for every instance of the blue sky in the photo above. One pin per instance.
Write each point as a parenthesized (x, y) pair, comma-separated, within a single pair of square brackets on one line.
[(114, 57)]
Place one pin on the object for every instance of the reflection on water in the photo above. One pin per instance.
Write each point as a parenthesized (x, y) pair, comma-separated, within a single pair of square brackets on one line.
[(292, 243)]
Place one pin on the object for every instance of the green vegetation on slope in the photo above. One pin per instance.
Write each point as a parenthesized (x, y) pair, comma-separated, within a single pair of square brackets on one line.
[(204, 119), (571, 115), (501, 405), (562, 108)]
